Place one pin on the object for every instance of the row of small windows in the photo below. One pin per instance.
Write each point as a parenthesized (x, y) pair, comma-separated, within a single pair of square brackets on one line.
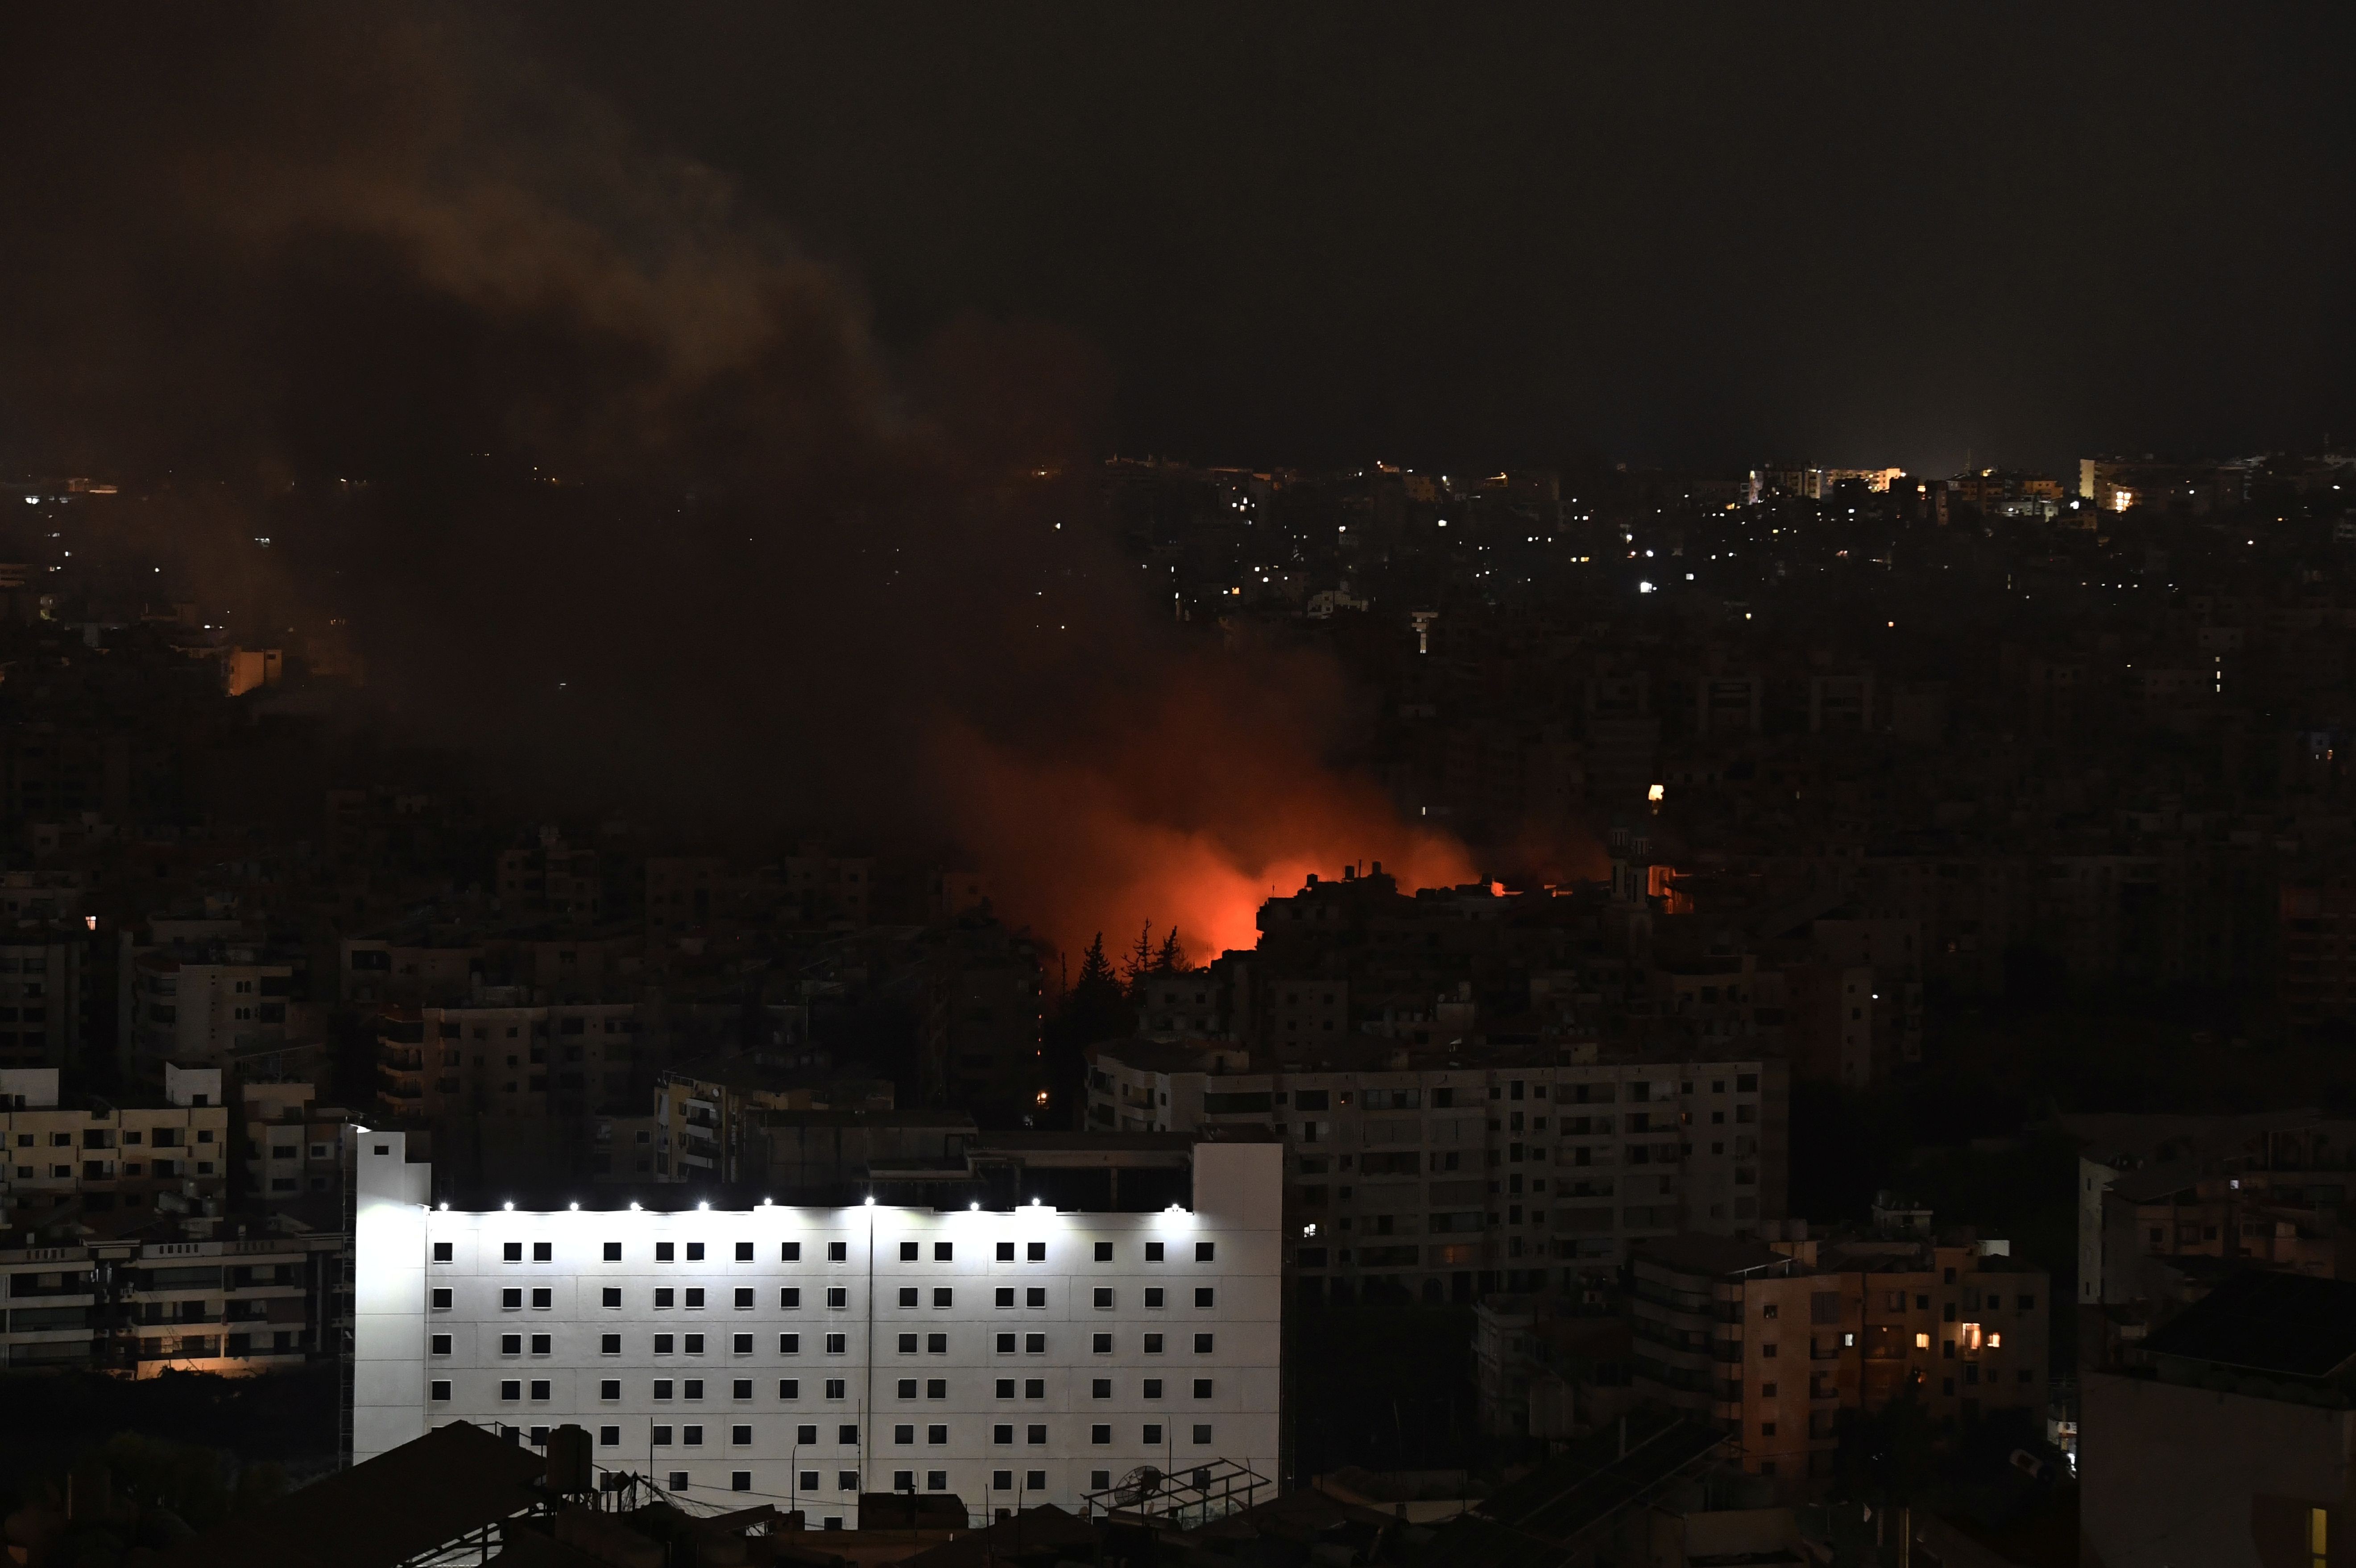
[(741, 1436), (836, 1251), (692, 1389), (847, 1480), (789, 1297), (791, 1344)]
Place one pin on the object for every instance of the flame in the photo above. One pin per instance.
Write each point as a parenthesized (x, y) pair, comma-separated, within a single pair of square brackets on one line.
[(1191, 815)]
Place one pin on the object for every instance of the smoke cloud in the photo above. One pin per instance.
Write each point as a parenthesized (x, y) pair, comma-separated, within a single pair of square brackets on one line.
[(612, 482)]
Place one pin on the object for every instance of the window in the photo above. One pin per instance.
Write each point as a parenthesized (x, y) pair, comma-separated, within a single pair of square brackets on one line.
[(539, 1343), (1035, 1344), (665, 1343), (790, 1299), (834, 1390), (1005, 1388), (1034, 1388), (740, 1345), (1104, 1252), (937, 1344), (441, 1251), (790, 1251), (613, 1251), (1006, 1251), (512, 1251), (663, 1387), (1006, 1344), (1153, 1296), (540, 1388), (943, 1297), (1202, 1344), (744, 1251), (847, 1480), (543, 1252), (693, 1388), (1100, 1389), (1102, 1345), (837, 1252), (908, 1389), (791, 1388), (937, 1387), (789, 1344), (936, 1434), (695, 1251), (609, 1437), (1005, 1296), (1204, 1296), (1036, 1436), (664, 1297), (834, 1343), (438, 1391), (908, 1296), (908, 1344), (1205, 1251), (937, 1480), (1101, 1435), (907, 1252), (1202, 1388), (838, 1297), (441, 1344), (743, 1298), (1036, 1295), (611, 1295), (511, 1300), (1103, 1298), (1151, 1435), (511, 1390), (691, 1436), (1153, 1388), (944, 1252), (1201, 1434), (903, 1434), (662, 1251), (695, 1298), (1153, 1344), (1153, 1252), (741, 1480), (543, 1297)]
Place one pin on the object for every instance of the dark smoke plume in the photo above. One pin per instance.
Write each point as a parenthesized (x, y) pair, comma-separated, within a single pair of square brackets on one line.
[(609, 480)]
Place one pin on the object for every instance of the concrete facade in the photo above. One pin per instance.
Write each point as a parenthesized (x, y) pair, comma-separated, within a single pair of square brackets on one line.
[(802, 1355)]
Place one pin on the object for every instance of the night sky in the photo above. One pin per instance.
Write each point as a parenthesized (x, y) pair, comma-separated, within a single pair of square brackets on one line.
[(1693, 234), (1704, 235)]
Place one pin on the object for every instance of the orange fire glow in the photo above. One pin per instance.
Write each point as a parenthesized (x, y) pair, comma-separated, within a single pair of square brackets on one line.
[(1193, 817)]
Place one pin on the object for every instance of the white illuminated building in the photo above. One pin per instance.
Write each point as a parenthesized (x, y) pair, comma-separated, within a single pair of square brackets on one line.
[(800, 1356)]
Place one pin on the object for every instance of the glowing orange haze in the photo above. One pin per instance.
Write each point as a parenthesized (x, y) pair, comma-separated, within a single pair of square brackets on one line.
[(1192, 818)]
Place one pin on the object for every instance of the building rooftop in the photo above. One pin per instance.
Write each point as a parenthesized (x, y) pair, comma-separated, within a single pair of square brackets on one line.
[(2282, 1325), (1691, 1252)]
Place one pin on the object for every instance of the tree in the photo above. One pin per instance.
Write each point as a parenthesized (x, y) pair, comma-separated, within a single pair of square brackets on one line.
[(1171, 958), (1140, 963), (1097, 1008)]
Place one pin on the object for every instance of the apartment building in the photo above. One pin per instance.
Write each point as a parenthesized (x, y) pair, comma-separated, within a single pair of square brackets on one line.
[(200, 989), (811, 1354), (90, 1156), (1419, 1174), (45, 1002), (706, 1112), (295, 1149), (504, 1056), (1772, 1339), (174, 1298)]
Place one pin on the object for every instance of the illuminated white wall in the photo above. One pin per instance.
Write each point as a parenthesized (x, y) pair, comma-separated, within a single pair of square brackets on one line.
[(958, 1345)]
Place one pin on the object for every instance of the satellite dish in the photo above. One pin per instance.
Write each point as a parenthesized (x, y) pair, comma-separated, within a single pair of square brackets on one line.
[(1139, 1484)]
